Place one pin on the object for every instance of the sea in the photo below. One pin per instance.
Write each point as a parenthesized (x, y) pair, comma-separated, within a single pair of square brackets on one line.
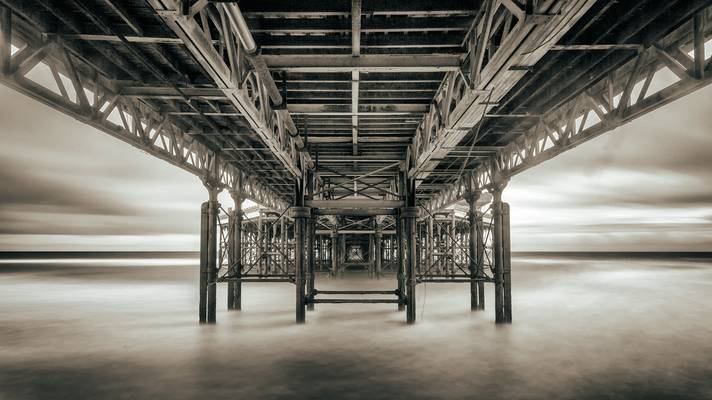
[(585, 326)]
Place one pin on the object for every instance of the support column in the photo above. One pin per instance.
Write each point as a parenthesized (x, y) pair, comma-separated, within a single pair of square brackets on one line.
[(311, 229), (411, 218), (401, 260), (430, 246), (203, 274), (499, 249), (453, 244), (334, 252), (211, 260), (231, 259), (475, 255), (506, 264), (342, 254), (260, 244), (283, 242), (377, 251), (300, 215), (234, 291)]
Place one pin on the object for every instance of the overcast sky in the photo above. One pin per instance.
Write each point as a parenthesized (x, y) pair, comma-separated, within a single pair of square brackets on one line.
[(645, 186)]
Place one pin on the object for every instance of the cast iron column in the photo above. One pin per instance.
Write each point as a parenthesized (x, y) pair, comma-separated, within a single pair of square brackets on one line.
[(474, 250), (506, 264), (400, 266), (411, 217), (334, 252), (377, 250), (234, 291), (498, 248), (300, 215), (213, 210), (203, 277), (311, 229)]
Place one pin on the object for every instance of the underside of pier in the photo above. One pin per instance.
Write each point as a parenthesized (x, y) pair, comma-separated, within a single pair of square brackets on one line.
[(371, 135)]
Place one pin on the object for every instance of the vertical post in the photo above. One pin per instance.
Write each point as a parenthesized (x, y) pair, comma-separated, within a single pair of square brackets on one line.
[(213, 210), (334, 252), (499, 254), (260, 240), (474, 249), (342, 254), (235, 290), (203, 277), (371, 256), (377, 251), (480, 259), (299, 278), (283, 242), (411, 216), (430, 246), (231, 259), (453, 243), (401, 260), (410, 212), (311, 228), (506, 264), (300, 215), (5, 39)]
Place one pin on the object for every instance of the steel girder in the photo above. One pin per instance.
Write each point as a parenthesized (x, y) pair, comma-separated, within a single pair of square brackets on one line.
[(522, 38), (240, 73), (622, 95), (83, 93)]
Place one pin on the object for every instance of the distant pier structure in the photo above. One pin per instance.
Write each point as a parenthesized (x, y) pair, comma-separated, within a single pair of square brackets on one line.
[(374, 135)]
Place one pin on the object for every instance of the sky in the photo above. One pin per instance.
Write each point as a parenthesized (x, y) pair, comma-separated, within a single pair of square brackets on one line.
[(645, 186)]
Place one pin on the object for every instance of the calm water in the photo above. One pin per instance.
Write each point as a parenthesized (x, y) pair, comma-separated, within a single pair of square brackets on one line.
[(584, 328)]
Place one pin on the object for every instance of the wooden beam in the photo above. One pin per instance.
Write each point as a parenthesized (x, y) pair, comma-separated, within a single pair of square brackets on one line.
[(355, 28)]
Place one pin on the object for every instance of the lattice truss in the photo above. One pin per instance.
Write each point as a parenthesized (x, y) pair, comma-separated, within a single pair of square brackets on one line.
[(56, 72), (267, 246), (654, 75), (443, 240)]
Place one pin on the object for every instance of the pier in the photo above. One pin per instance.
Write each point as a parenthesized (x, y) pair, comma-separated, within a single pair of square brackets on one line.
[(368, 135)]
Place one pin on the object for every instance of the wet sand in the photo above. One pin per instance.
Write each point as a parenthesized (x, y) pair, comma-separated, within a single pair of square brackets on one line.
[(584, 328)]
